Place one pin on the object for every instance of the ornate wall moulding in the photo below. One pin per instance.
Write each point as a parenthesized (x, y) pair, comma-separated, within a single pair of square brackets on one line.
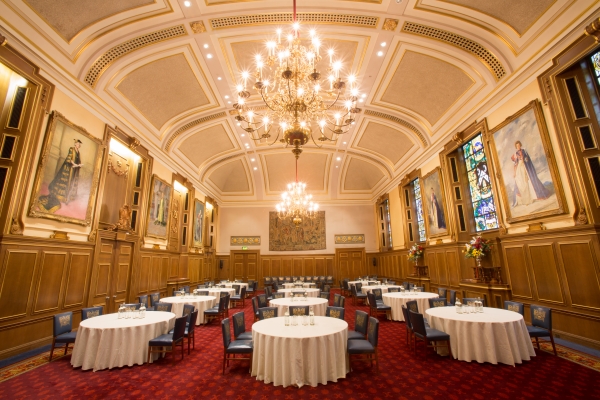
[(349, 239), (245, 240)]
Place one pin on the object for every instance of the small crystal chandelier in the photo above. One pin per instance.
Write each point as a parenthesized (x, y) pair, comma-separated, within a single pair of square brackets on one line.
[(296, 203), (296, 96)]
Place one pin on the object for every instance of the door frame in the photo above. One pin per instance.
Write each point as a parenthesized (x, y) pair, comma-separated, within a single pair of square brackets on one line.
[(336, 263), (231, 263)]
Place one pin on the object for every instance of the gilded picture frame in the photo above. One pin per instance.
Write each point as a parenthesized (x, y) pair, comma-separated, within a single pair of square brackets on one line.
[(159, 208), (198, 226), (68, 173), (530, 185), (434, 204)]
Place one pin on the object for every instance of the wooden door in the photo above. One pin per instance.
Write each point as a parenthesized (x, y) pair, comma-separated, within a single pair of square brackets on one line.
[(244, 264), (350, 263)]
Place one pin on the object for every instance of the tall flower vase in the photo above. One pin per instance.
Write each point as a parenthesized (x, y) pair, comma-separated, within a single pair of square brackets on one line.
[(477, 271), (416, 267)]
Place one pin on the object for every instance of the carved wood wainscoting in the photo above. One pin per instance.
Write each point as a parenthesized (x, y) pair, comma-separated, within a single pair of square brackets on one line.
[(296, 265), (39, 278)]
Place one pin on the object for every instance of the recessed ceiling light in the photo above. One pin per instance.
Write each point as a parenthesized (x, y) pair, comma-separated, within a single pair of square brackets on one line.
[(336, 166), (363, 95), (209, 55), (255, 168), (380, 53), (219, 78), (339, 158), (383, 44), (228, 102), (226, 96), (243, 134), (252, 159), (361, 100), (344, 143), (206, 45), (238, 124), (187, 3)]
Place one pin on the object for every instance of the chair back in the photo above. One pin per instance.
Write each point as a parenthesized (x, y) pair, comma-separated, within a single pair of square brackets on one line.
[(418, 323), (163, 307), (361, 321), (268, 280), (412, 306), (438, 302), (243, 292), (279, 295), (185, 289), (335, 312), (226, 331), (202, 292), (405, 284), (393, 290), (442, 292), (324, 295), (143, 299), (135, 306), (466, 300), (391, 282), (326, 288), (225, 303), (514, 306), (223, 293), (358, 287), (268, 292), (298, 293), (372, 301), (262, 301), (378, 293), (239, 324), (336, 300), (192, 320), (298, 310), (353, 290), (267, 312), (406, 317), (342, 302), (255, 305), (90, 312), (236, 288), (420, 289), (188, 309), (179, 330), (149, 308), (452, 297), (383, 280), (373, 331), (541, 317), (155, 298), (201, 286), (63, 323)]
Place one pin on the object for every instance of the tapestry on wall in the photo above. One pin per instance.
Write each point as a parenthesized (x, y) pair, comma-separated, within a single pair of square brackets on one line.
[(285, 236)]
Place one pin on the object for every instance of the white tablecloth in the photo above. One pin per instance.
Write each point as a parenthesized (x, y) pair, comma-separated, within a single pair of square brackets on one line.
[(304, 285), (397, 300), (364, 283), (217, 292), (202, 303), (319, 305), (241, 284), (495, 336), (384, 289), (310, 292), (108, 342), (300, 355)]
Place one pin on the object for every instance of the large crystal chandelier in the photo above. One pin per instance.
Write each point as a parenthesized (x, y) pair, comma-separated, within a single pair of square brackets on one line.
[(296, 97), (296, 204)]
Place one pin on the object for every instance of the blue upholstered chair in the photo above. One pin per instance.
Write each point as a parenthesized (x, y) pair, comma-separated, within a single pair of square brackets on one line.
[(357, 294), (438, 303), (299, 310), (269, 293), (391, 282), (237, 289), (442, 292), (412, 306), (344, 287), (339, 300), (163, 307), (452, 297), (255, 308), (262, 301), (239, 327), (280, 295), (408, 326), (220, 311), (472, 299), (143, 299), (376, 308), (393, 290), (360, 326), (329, 280), (202, 292), (185, 289), (91, 312), (406, 285), (239, 298), (420, 288), (171, 340), (135, 306), (251, 290), (224, 293), (190, 330), (267, 312), (426, 334), (325, 295), (231, 348), (378, 293), (541, 325), (62, 331), (365, 350), (267, 281), (335, 312), (514, 306), (188, 309), (154, 298)]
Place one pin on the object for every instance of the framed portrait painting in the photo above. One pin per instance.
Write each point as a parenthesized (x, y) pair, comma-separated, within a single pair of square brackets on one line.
[(198, 222), (434, 203), (68, 173), (530, 185), (159, 208)]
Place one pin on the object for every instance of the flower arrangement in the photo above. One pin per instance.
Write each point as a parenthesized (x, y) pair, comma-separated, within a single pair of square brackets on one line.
[(415, 252), (477, 247)]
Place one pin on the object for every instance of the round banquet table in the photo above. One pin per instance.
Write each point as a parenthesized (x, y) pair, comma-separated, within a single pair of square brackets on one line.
[(319, 305), (397, 300), (310, 292), (364, 283), (241, 284), (217, 292), (299, 355), (384, 288), (202, 303), (495, 336), (304, 285), (108, 342)]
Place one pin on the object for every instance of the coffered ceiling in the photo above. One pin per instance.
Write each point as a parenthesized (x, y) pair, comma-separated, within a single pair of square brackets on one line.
[(168, 72)]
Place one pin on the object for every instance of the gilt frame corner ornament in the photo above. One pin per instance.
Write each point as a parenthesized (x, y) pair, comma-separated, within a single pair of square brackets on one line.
[(426, 182), (60, 185), (523, 153), (154, 208)]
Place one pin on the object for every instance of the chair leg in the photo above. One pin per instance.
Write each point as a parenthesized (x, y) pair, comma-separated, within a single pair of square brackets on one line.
[(553, 345), (66, 348), (149, 354), (537, 341), (52, 350), (224, 360)]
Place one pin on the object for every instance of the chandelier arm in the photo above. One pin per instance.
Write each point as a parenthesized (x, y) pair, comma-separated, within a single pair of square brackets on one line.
[(334, 102), (313, 139), (277, 137), (265, 101)]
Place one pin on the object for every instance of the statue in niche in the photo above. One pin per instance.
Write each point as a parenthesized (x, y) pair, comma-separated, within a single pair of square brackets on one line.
[(124, 223)]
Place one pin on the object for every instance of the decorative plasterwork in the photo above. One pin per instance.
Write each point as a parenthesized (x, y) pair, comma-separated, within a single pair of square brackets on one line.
[(382, 140), (198, 27), (190, 125), (390, 24), (361, 176), (237, 21), (244, 240), (194, 147), (400, 121), (349, 239), (232, 178)]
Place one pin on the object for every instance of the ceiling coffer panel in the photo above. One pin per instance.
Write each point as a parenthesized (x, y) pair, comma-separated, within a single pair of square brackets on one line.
[(362, 175), (207, 143), (387, 141), (281, 170), (69, 17), (163, 89), (518, 14), (231, 177), (426, 85)]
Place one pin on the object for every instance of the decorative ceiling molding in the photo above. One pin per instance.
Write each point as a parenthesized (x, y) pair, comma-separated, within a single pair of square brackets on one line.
[(374, 160), (106, 59), (214, 164), (400, 121), (191, 124), (364, 21), (466, 44)]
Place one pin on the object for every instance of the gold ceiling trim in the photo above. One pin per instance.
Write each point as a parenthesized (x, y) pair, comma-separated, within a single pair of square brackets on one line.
[(106, 59), (490, 61), (399, 121), (364, 21), (191, 124)]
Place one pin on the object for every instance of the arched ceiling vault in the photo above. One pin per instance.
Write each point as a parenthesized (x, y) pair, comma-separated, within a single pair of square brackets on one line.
[(170, 71)]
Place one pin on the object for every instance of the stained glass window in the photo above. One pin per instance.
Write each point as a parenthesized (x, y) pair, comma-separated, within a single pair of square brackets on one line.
[(596, 66), (480, 186), (419, 209)]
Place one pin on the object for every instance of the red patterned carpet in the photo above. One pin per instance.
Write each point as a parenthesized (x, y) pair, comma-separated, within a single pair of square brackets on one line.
[(403, 376)]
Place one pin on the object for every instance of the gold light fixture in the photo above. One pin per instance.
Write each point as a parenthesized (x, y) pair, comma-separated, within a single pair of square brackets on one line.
[(295, 95), (296, 204)]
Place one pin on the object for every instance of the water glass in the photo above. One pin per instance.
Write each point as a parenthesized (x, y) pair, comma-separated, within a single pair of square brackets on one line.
[(305, 320), (295, 320)]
